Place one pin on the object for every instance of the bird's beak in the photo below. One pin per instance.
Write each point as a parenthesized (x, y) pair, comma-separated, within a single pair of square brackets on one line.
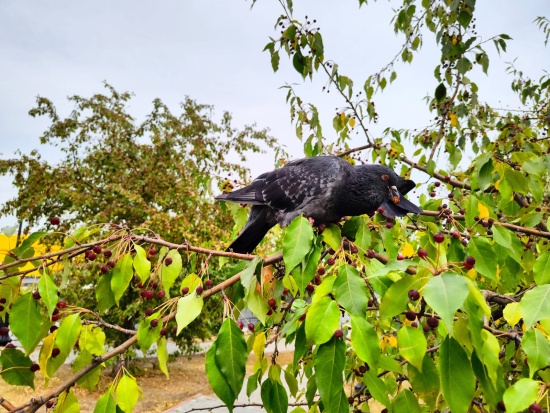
[(395, 195)]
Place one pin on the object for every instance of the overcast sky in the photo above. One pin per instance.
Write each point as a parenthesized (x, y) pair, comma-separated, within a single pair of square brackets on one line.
[(212, 51)]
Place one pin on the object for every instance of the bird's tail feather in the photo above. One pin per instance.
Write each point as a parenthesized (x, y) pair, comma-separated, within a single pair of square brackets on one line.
[(257, 226)]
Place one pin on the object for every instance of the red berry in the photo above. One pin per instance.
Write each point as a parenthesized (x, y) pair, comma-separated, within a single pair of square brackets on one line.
[(149, 294), (53, 328), (389, 225), (36, 295), (208, 284), (154, 322), (467, 266), (331, 251), (422, 253), (285, 292), (160, 294), (55, 220), (535, 408), (371, 254), (470, 261), (152, 251), (97, 249), (310, 288), (351, 399), (104, 269), (338, 333), (272, 303), (111, 264), (432, 322), (410, 315), (270, 312), (414, 324), (34, 367), (439, 237), (184, 290), (456, 234), (148, 311), (400, 257), (330, 261), (251, 327), (55, 317), (154, 285), (168, 261), (321, 271), (354, 249), (380, 210), (414, 295), (56, 352), (198, 290), (61, 304), (107, 253), (501, 406), (437, 184), (447, 179), (163, 331), (318, 280), (432, 194), (426, 328), (240, 324), (49, 404)]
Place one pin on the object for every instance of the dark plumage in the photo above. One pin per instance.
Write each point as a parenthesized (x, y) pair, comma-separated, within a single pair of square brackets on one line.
[(324, 188)]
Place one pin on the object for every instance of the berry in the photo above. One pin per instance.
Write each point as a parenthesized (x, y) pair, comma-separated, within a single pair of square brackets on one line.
[(422, 253), (456, 234), (55, 317), (414, 324), (97, 249), (3, 301), (199, 289), (36, 295), (318, 280), (432, 322), (410, 315), (90, 255), (362, 369), (371, 253), (400, 257), (338, 333), (34, 367), (501, 406), (354, 249), (439, 237), (285, 292), (467, 266), (49, 405), (104, 269), (4, 331), (56, 352), (154, 285), (370, 303), (310, 288), (321, 271), (380, 210), (538, 209), (53, 328), (163, 331), (535, 408), (10, 345), (240, 324), (414, 295), (432, 194), (470, 261), (208, 284), (437, 184), (426, 328), (152, 251), (270, 312), (168, 261), (351, 399), (184, 290), (107, 253), (154, 322), (111, 264), (251, 327), (61, 304), (272, 303), (451, 196), (447, 179), (160, 294), (330, 261), (389, 225), (331, 251), (149, 294), (55, 220), (148, 311)]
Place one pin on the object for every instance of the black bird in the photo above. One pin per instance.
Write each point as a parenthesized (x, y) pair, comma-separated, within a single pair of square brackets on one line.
[(323, 188)]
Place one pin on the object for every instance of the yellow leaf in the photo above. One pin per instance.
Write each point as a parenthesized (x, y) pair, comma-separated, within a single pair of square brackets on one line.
[(497, 183), (259, 345), (352, 122), (453, 118), (483, 211), (407, 250), (343, 118), (455, 40), (472, 273), (512, 314)]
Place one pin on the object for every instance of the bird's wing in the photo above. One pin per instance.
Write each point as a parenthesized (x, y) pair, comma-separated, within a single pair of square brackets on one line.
[(251, 194), (260, 220)]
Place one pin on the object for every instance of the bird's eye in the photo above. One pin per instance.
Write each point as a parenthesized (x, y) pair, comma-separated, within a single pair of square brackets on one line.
[(385, 177)]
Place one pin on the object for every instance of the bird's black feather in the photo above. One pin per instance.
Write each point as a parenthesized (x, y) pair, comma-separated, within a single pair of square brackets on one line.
[(324, 188)]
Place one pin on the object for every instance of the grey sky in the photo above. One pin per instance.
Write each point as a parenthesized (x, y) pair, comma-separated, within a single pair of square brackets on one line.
[(212, 51)]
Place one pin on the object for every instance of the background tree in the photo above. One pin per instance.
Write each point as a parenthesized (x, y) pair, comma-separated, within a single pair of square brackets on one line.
[(447, 312)]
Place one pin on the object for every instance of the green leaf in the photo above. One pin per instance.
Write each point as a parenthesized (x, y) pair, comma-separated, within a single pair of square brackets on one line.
[(274, 397), (106, 403), (48, 292), (364, 341), (322, 320), (489, 355), (189, 308), (489, 391), (275, 58), (329, 362), (291, 382), (296, 242), (121, 276), (406, 402), (67, 334), (363, 237), (520, 396), (376, 387), (304, 273), (15, 368), (231, 354), (350, 290), (67, 403), (483, 252), (127, 393), (396, 298), (445, 294), (104, 294), (299, 61), (217, 380), (457, 377), (412, 345), (30, 240), (169, 273), (463, 65), (537, 349), (146, 334), (425, 382), (332, 236), (91, 378), (542, 268), (535, 305), (440, 92), (162, 354), (26, 322), (141, 264)]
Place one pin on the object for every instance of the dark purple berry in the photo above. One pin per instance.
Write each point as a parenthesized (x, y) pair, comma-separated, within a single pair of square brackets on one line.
[(97, 249), (55, 352), (198, 290), (34, 367), (36, 295), (154, 322), (184, 290), (338, 333), (414, 295), (208, 284), (168, 261), (432, 322), (439, 237), (55, 220)]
